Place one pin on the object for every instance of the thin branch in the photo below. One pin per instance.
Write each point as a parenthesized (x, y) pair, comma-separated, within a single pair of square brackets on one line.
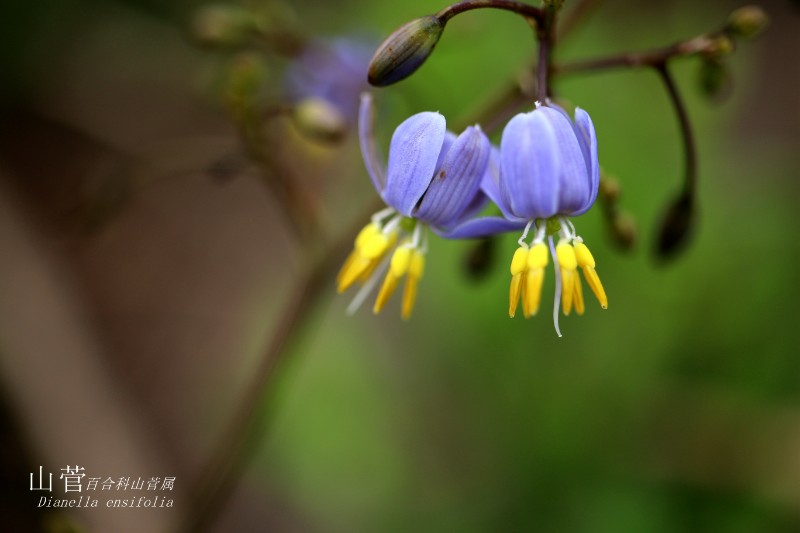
[(687, 135), (520, 8), (647, 58)]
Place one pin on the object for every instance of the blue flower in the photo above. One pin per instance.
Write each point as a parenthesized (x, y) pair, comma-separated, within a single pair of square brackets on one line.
[(549, 171), (331, 70), (433, 179)]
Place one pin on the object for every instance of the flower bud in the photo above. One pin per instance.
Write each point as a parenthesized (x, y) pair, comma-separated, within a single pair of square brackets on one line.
[(714, 79), (747, 22), (223, 26), (479, 258), (405, 50), (319, 120), (623, 230), (610, 189), (676, 227), (719, 46)]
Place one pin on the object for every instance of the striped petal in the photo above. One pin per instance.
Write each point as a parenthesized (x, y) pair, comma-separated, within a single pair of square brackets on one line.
[(366, 137), (480, 227), (529, 165), (413, 154), (457, 181), (573, 175), (588, 140)]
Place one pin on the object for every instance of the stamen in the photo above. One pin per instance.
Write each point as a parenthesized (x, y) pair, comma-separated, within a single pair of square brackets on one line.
[(415, 270), (415, 239), (382, 214), (534, 276), (540, 233), (586, 262), (518, 266), (367, 288), (521, 240), (401, 259), (558, 284), (392, 224), (568, 265)]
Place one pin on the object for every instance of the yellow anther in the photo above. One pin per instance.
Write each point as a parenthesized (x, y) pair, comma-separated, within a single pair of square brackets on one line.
[(374, 265), (401, 259), (520, 260), (417, 266), (366, 232), (587, 264), (370, 248), (519, 265), (405, 260), (578, 296), (415, 270), (534, 277), (538, 257), (374, 245), (597, 288), (583, 255), (566, 256), (533, 291), (567, 262)]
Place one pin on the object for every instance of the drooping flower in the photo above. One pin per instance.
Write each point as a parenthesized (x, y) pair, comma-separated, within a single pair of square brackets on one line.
[(549, 171), (331, 71), (432, 180)]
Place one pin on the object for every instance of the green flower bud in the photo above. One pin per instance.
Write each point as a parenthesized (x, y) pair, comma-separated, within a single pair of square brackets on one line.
[(610, 189), (405, 50), (714, 79), (319, 120), (623, 230), (747, 22), (719, 46)]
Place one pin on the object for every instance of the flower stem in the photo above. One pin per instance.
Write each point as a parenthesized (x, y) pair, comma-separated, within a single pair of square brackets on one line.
[(689, 146), (520, 8)]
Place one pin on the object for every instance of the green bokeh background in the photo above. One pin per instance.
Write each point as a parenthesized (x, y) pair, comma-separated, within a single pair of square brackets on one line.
[(677, 409)]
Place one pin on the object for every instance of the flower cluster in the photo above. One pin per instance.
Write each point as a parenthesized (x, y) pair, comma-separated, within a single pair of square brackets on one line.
[(545, 170)]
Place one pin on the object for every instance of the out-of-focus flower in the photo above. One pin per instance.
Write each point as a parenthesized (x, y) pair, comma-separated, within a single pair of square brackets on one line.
[(549, 171), (333, 71), (432, 180)]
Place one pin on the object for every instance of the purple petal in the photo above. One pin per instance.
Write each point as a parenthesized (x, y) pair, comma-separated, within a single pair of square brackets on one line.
[(573, 175), (529, 166), (480, 227), (413, 153), (449, 139), (366, 137), (588, 141), (490, 184), (458, 180)]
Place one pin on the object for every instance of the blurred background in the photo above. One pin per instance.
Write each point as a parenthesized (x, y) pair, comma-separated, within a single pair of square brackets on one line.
[(147, 261)]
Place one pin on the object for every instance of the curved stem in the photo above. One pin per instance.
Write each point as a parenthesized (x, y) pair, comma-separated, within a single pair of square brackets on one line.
[(689, 147), (520, 8)]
